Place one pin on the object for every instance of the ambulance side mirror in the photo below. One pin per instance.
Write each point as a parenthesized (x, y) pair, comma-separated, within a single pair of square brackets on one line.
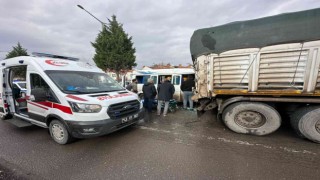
[(39, 94)]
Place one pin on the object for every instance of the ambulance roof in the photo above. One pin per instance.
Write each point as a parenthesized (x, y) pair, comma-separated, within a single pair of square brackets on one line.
[(47, 63)]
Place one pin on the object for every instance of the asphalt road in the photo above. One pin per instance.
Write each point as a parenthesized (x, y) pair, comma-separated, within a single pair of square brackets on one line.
[(179, 146)]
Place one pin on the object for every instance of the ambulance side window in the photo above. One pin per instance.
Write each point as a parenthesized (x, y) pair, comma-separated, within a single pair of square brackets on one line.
[(37, 82)]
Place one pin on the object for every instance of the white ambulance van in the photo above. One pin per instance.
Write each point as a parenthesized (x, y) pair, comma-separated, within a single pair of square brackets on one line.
[(71, 98)]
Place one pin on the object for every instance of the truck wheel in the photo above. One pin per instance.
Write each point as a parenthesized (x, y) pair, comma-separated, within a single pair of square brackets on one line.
[(306, 123), (251, 118), (59, 132), (295, 118)]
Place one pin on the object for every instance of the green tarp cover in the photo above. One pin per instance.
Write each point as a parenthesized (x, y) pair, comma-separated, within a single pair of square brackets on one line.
[(284, 28)]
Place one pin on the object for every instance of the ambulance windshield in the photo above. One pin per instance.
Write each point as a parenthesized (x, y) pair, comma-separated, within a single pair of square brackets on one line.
[(79, 82)]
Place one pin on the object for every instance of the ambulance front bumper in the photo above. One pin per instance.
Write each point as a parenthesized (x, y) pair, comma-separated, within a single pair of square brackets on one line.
[(86, 129)]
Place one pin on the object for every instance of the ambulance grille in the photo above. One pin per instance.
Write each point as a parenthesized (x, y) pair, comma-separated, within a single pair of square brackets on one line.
[(123, 109)]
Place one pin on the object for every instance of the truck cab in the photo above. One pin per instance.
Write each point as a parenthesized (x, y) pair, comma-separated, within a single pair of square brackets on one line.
[(72, 99)]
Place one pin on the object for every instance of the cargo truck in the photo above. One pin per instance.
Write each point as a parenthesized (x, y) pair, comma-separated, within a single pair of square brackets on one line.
[(257, 71)]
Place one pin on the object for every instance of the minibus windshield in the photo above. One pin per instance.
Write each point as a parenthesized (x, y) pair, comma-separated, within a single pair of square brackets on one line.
[(79, 82)]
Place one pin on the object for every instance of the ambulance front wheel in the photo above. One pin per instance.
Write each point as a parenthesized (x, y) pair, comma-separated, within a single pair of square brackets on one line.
[(59, 132)]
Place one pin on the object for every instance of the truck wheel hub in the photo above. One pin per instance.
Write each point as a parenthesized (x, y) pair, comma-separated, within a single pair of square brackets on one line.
[(250, 119), (57, 132)]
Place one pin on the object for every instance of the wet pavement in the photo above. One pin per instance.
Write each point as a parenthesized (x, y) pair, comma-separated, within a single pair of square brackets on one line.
[(178, 146)]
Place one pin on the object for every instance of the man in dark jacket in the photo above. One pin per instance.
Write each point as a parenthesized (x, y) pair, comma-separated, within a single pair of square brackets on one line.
[(165, 93), (149, 93), (186, 88)]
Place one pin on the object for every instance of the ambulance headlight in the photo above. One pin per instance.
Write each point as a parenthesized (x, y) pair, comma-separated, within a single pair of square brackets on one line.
[(85, 108)]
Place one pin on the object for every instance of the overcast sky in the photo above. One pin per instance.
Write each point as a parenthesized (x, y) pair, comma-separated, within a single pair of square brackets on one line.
[(161, 30)]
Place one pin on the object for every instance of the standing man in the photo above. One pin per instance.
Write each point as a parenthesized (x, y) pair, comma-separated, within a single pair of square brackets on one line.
[(149, 93), (186, 88), (165, 93), (133, 86)]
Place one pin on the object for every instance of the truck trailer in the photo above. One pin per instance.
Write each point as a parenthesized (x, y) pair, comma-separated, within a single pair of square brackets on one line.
[(260, 72)]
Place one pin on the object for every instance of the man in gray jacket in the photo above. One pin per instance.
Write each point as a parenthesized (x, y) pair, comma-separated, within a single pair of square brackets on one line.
[(165, 93)]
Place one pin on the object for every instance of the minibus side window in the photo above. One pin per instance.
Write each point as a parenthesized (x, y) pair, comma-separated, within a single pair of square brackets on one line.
[(176, 80), (155, 79), (142, 79), (37, 82)]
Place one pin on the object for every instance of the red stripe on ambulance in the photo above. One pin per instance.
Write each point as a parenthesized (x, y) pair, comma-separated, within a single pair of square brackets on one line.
[(46, 103), (75, 97), (62, 108), (38, 105), (101, 98)]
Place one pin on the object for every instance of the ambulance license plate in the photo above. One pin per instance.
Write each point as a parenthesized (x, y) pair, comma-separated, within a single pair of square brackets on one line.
[(129, 118)]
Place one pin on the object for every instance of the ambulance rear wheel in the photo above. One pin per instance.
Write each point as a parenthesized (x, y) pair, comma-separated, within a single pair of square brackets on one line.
[(251, 118), (59, 132)]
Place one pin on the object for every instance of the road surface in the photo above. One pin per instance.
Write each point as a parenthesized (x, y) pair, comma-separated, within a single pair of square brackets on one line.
[(179, 146)]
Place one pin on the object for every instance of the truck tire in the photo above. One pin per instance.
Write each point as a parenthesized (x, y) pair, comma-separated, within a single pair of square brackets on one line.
[(295, 118), (307, 123), (251, 118), (59, 132)]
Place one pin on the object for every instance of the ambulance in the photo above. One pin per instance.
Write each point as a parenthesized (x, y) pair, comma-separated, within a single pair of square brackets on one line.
[(71, 98)]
